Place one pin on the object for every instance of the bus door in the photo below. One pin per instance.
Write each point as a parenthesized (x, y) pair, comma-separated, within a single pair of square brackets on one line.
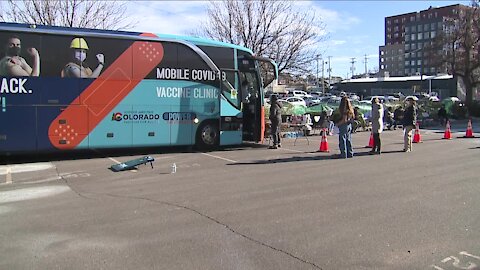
[(230, 108), (251, 94)]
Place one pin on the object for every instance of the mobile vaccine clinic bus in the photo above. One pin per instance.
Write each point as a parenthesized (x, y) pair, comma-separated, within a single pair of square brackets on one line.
[(71, 88)]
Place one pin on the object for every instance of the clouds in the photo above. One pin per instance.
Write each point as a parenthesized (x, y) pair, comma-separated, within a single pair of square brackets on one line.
[(166, 17), (343, 37), (337, 21)]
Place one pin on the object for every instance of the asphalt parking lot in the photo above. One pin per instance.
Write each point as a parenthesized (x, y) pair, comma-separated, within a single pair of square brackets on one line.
[(249, 207)]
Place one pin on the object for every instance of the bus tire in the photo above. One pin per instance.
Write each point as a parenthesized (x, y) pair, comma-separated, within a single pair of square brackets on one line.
[(208, 135)]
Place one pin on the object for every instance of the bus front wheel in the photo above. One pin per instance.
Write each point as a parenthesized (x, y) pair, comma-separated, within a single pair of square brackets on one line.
[(208, 135)]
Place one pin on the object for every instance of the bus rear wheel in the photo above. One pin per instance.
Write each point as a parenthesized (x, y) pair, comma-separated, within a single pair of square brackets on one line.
[(208, 136)]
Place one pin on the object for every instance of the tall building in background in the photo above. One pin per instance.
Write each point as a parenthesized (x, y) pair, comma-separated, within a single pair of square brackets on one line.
[(406, 36)]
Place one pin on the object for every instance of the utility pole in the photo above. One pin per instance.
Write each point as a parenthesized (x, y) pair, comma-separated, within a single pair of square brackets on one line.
[(316, 82), (353, 66), (329, 73), (323, 76), (366, 61)]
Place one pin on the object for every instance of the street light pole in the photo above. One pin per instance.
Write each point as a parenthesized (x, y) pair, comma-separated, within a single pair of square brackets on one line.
[(323, 80), (317, 70), (329, 73)]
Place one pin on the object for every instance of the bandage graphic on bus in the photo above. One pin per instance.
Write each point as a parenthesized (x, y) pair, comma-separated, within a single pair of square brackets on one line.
[(70, 128)]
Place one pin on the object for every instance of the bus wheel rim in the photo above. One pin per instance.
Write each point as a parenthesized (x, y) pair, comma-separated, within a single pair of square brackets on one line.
[(208, 135)]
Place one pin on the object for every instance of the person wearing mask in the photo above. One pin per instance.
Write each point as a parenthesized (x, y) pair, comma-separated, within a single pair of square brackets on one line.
[(15, 65), (324, 123), (78, 68), (442, 115), (276, 120), (377, 125), (359, 120), (397, 117), (409, 121), (344, 125), (389, 117)]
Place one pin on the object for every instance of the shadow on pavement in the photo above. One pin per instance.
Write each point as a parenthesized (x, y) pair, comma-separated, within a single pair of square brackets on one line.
[(281, 160), (309, 158), (120, 152)]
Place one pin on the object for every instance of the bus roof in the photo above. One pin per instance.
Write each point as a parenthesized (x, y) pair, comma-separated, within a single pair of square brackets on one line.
[(113, 33), (204, 41)]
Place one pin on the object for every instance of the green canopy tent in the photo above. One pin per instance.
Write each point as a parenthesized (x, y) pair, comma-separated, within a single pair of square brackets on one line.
[(319, 108), (289, 109)]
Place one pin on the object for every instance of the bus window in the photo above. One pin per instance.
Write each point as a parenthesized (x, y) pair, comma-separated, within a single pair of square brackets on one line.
[(250, 90), (230, 79)]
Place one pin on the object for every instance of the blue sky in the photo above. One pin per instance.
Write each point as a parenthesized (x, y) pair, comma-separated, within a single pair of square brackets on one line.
[(354, 28)]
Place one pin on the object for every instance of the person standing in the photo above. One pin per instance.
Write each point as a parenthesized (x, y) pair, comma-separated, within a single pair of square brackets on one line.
[(397, 117), (276, 120), (409, 121), (442, 115), (345, 128), (15, 65), (377, 125), (389, 117)]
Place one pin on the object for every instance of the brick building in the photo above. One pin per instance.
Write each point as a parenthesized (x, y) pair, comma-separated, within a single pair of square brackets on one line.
[(407, 35)]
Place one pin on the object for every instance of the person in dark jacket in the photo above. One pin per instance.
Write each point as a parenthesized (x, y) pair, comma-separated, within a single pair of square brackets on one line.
[(397, 117), (388, 115), (409, 121), (442, 115), (276, 120)]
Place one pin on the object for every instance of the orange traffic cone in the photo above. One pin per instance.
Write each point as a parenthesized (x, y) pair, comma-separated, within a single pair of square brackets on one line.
[(448, 134), (370, 142), (324, 142), (416, 136), (469, 133)]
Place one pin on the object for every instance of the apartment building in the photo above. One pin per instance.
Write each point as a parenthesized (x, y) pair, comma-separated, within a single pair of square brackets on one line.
[(407, 35)]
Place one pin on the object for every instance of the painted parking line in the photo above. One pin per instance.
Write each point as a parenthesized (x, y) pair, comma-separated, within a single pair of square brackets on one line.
[(9, 170), (8, 177), (217, 157)]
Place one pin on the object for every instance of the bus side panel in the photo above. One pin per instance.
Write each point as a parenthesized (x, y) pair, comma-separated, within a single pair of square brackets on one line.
[(60, 91), (17, 129), (21, 90), (152, 130), (228, 136), (66, 129), (182, 131), (176, 103), (115, 130)]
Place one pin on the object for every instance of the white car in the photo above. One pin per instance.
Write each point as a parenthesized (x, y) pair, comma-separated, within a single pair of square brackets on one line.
[(299, 93), (411, 97), (311, 101), (294, 101), (391, 98)]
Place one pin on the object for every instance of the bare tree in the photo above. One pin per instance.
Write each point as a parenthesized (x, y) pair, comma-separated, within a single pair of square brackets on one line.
[(457, 48), (71, 13), (273, 29)]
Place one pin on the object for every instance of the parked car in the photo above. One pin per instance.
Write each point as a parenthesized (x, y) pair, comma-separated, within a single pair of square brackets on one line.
[(411, 97), (294, 101), (353, 96), (370, 98), (391, 99), (434, 99), (299, 93), (311, 101)]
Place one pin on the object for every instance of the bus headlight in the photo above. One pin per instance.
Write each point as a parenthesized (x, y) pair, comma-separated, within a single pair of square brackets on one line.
[(195, 120)]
